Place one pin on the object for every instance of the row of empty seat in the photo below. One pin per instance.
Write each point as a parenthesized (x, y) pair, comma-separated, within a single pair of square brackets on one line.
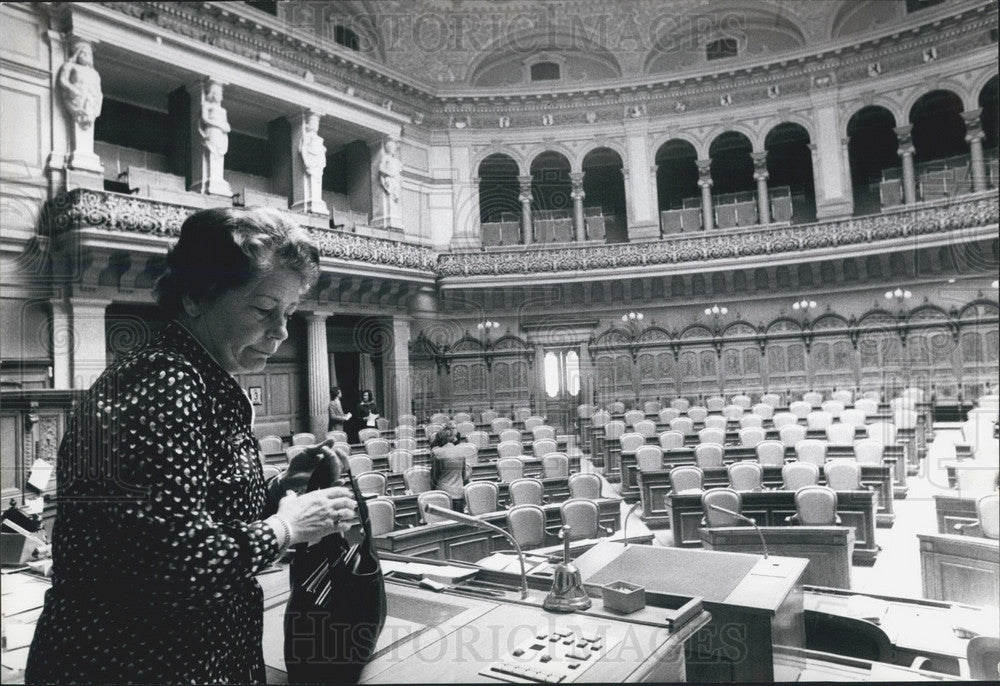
[(747, 476)]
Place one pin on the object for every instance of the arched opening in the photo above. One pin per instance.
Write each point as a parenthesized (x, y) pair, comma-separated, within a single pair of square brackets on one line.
[(551, 205), (604, 207), (499, 208), (733, 188), (790, 174), (677, 187), (875, 168), (347, 184), (941, 154), (990, 119)]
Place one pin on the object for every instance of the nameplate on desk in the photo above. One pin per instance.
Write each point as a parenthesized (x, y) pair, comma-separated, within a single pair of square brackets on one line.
[(776, 568)]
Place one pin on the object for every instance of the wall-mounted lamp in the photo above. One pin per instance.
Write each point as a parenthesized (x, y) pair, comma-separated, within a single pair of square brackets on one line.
[(632, 317), (716, 310), (804, 305), (899, 295), (487, 325)]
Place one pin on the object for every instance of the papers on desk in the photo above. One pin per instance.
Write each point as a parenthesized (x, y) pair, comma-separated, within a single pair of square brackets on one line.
[(41, 471), (22, 593), (446, 574), (16, 660), (500, 562)]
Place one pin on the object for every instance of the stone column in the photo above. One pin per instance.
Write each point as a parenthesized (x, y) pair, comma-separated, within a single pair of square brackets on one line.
[(87, 339), (80, 88), (905, 151), (705, 183), (760, 175), (62, 345), (396, 368), (974, 136), (387, 186), (308, 162), (209, 138), (318, 372), (578, 195), (525, 200)]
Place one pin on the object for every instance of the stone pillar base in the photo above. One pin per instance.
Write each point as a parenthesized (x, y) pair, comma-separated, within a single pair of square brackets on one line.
[(77, 178), (644, 232), (389, 223), (314, 207), (212, 187), (465, 242), (86, 161), (837, 208)]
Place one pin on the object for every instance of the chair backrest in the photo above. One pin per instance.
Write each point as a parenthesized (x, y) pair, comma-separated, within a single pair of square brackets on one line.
[(403, 431), (510, 468), (646, 427), (682, 424), (487, 416), (521, 414), (708, 455), (501, 423), (722, 497), (715, 403), (983, 655), (585, 411), (431, 429), (905, 418), (771, 453), (686, 479), (843, 474), (633, 416), (631, 442), (526, 491), (600, 418), (796, 475), (680, 404), (376, 447), (843, 396), (988, 510), (381, 515), (461, 417), (839, 433), (716, 421), (651, 407), (555, 465), (854, 417), (834, 407), (371, 482), (417, 479), (543, 431), (303, 439), (763, 410), (649, 458), (819, 419), (509, 448), (399, 460), (745, 476), (813, 398), (669, 440), (509, 435), (697, 413), (850, 636), (270, 471), (406, 444), (543, 447), (584, 485), (790, 434), (408, 420), (811, 450), (866, 405), (272, 444), (667, 414), (439, 498), (616, 407), (440, 418), (913, 393), (884, 432), (800, 408), (902, 403), (368, 434), (742, 401), (360, 464), (816, 506), (346, 447), (468, 452), (582, 516), (465, 428), (480, 439), (752, 436), (783, 419), (382, 424), (614, 429), (869, 451), (772, 399), (526, 524), (337, 436), (531, 422), (481, 497), (733, 412)]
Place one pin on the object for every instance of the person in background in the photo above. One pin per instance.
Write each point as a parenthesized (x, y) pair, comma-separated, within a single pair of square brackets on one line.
[(335, 410), (449, 469), (164, 517), (367, 410)]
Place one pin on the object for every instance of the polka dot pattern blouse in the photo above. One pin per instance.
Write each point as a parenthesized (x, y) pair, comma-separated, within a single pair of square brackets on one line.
[(158, 531)]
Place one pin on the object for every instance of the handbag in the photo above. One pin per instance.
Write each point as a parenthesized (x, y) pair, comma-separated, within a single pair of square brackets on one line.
[(337, 606)]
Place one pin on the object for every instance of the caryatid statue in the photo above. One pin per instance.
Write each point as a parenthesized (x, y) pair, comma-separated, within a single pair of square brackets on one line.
[(212, 142), (312, 154), (386, 203), (80, 87)]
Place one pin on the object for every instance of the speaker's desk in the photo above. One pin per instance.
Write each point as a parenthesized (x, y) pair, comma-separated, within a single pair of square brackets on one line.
[(755, 603)]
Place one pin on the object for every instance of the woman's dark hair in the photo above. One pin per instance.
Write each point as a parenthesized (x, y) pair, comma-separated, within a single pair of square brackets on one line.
[(444, 436), (227, 247), (371, 396), (334, 393)]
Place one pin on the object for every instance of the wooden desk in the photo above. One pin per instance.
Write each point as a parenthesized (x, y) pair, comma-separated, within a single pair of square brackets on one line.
[(481, 471), (797, 664), (954, 509), (769, 508), (828, 548), (755, 603), (964, 569)]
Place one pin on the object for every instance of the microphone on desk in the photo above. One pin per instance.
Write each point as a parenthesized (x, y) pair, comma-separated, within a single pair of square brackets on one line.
[(481, 524), (628, 514), (749, 520)]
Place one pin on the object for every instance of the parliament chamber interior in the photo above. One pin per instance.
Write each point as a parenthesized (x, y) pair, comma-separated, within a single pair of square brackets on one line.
[(707, 289)]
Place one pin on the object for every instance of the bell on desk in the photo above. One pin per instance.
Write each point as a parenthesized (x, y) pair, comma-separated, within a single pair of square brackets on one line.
[(567, 594)]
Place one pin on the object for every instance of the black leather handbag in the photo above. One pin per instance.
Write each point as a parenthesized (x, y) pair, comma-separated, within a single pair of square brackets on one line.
[(337, 607)]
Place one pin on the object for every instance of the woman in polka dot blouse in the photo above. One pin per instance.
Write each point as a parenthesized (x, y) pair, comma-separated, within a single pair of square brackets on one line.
[(163, 515)]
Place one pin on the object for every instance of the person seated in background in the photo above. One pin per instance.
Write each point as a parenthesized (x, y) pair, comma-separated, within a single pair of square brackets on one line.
[(449, 469)]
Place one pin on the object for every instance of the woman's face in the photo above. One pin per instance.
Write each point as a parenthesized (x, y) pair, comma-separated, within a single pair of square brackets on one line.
[(366, 397), (244, 326)]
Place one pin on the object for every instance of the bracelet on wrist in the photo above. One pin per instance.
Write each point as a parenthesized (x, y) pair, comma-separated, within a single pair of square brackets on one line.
[(285, 535)]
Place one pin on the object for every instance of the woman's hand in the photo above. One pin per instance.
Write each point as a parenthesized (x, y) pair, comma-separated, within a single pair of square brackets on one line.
[(302, 464), (317, 514)]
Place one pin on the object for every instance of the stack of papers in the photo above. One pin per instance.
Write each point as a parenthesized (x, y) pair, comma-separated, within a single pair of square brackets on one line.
[(445, 574)]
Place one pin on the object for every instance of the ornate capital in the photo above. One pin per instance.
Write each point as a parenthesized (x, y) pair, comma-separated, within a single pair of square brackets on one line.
[(577, 179), (973, 125), (904, 134), (759, 164), (524, 183), (704, 168)]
